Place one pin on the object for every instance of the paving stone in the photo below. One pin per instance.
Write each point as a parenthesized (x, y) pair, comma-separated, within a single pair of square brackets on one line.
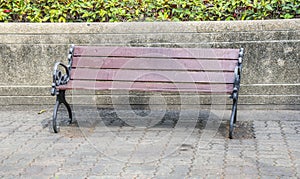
[(205, 171), (261, 136), (50, 170), (265, 176), (69, 175), (218, 160), (250, 154), (283, 162), (163, 170), (8, 170), (34, 169), (233, 170), (213, 176), (140, 169), (180, 170), (177, 175), (277, 171), (250, 170), (35, 176), (274, 155), (241, 176)]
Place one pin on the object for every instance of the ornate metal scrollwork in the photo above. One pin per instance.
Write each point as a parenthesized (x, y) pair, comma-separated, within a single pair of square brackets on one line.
[(60, 78), (238, 69)]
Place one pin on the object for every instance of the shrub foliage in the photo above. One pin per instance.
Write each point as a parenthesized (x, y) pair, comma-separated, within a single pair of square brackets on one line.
[(145, 10)]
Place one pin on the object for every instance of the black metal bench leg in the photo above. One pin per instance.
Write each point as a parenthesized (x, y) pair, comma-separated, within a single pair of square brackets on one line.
[(64, 101), (235, 115), (54, 121), (233, 118), (60, 98)]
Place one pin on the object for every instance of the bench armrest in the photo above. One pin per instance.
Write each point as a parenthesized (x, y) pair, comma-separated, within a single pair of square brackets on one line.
[(237, 75), (59, 78)]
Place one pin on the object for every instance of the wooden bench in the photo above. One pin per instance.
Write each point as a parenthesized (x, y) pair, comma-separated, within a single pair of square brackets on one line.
[(206, 71)]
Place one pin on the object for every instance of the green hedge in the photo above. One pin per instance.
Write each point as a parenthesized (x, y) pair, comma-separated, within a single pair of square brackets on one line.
[(145, 10)]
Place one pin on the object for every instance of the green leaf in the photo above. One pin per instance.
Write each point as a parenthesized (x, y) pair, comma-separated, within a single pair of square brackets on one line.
[(85, 15), (61, 19), (229, 18), (288, 16), (45, 19), (269, 7)]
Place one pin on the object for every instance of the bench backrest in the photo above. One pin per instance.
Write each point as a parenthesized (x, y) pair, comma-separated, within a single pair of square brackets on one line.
[(154, 69)]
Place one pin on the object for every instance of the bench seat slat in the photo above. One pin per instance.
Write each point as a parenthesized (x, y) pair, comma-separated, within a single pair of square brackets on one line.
[(144, 86), (154, 52), (150, 63), (151, 76)]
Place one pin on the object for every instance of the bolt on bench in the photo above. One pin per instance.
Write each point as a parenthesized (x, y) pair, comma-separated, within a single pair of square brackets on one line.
[(207, 71)]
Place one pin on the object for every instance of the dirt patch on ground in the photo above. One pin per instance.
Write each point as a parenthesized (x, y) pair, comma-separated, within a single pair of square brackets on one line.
[(242, 130)]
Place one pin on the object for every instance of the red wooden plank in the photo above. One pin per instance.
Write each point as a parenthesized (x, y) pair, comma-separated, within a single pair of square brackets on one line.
[(147, 75), (156, 52), (150, 63), (143, 86)]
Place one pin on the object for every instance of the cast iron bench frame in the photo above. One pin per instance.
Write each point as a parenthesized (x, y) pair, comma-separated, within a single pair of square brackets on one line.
[(63, 81)]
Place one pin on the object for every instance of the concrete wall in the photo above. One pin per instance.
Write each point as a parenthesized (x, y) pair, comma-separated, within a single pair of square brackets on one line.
[(271, 67)]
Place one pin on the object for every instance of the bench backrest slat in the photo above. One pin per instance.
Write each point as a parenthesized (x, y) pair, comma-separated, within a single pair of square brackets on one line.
[(151, 76), (150, 63), (97, 51)]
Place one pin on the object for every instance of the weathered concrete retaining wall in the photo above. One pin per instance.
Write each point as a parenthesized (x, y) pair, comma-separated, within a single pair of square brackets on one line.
[(271, 72)]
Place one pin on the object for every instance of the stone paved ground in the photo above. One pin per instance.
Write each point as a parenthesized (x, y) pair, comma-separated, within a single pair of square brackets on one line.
[(267, 145)]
